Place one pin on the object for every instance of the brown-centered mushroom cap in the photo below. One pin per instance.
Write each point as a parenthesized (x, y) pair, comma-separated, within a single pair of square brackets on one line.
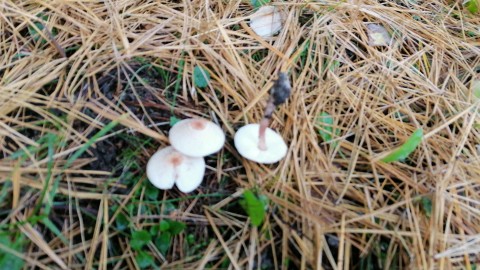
[(196, 137), (168, 167)]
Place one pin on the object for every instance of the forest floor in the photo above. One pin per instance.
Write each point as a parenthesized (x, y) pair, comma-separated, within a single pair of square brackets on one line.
[(90, 89)]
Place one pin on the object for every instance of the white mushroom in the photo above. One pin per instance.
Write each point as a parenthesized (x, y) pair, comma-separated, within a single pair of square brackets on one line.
[(267, 21), (259, 143), (378, 35), (247, 143), (196, 137), (168, 167)]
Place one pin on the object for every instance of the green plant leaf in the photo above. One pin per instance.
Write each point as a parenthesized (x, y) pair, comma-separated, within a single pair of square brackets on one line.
[(8, 260), (259, 3), (405, 149), (264, 200), (121, 222), (173, 120), (201, 77), (176, 227), (427, 206), (154, 230), (334, 65), (164, 225), (191, 239), (254, 207), (325, 124), (476, 89), (151, 192), (11, 262), (4, 239), (139, 239), (144, 259), (37, 27), (472, 5), (163, 242)]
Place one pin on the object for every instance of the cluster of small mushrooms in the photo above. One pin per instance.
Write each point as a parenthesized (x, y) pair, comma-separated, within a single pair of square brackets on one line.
[(182, 164)]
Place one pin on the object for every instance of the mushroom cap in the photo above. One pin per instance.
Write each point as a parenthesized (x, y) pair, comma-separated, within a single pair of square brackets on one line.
[(378, 35), (246, 142), (196, 137), (168, 166), (266, 21)]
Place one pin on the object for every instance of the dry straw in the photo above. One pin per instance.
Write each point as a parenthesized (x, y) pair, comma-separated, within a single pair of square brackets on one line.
[(332, 205)]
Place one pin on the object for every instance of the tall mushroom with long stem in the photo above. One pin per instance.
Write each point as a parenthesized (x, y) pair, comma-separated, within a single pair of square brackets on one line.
[(258, 142)]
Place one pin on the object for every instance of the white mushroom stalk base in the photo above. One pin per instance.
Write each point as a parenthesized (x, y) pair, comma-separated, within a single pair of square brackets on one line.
[(247, 144), (168, 167)]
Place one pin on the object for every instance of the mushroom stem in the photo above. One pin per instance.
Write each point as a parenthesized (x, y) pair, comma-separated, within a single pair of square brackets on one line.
[(262, 145), (278, 94)]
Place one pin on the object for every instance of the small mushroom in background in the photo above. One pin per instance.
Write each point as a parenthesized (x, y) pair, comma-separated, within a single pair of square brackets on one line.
[(168, 167), (378, 35), (259, 143), (196, 137), (266, 21)]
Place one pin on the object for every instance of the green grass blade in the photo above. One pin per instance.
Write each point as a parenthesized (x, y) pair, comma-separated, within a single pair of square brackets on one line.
[(75, 156), (22, 153), (406, 149), (51, 140), (49, 224), (181, 65), (92, 140)]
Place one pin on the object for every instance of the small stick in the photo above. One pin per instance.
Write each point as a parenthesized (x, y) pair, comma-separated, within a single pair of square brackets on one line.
[(57, 46), (279, 93)]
